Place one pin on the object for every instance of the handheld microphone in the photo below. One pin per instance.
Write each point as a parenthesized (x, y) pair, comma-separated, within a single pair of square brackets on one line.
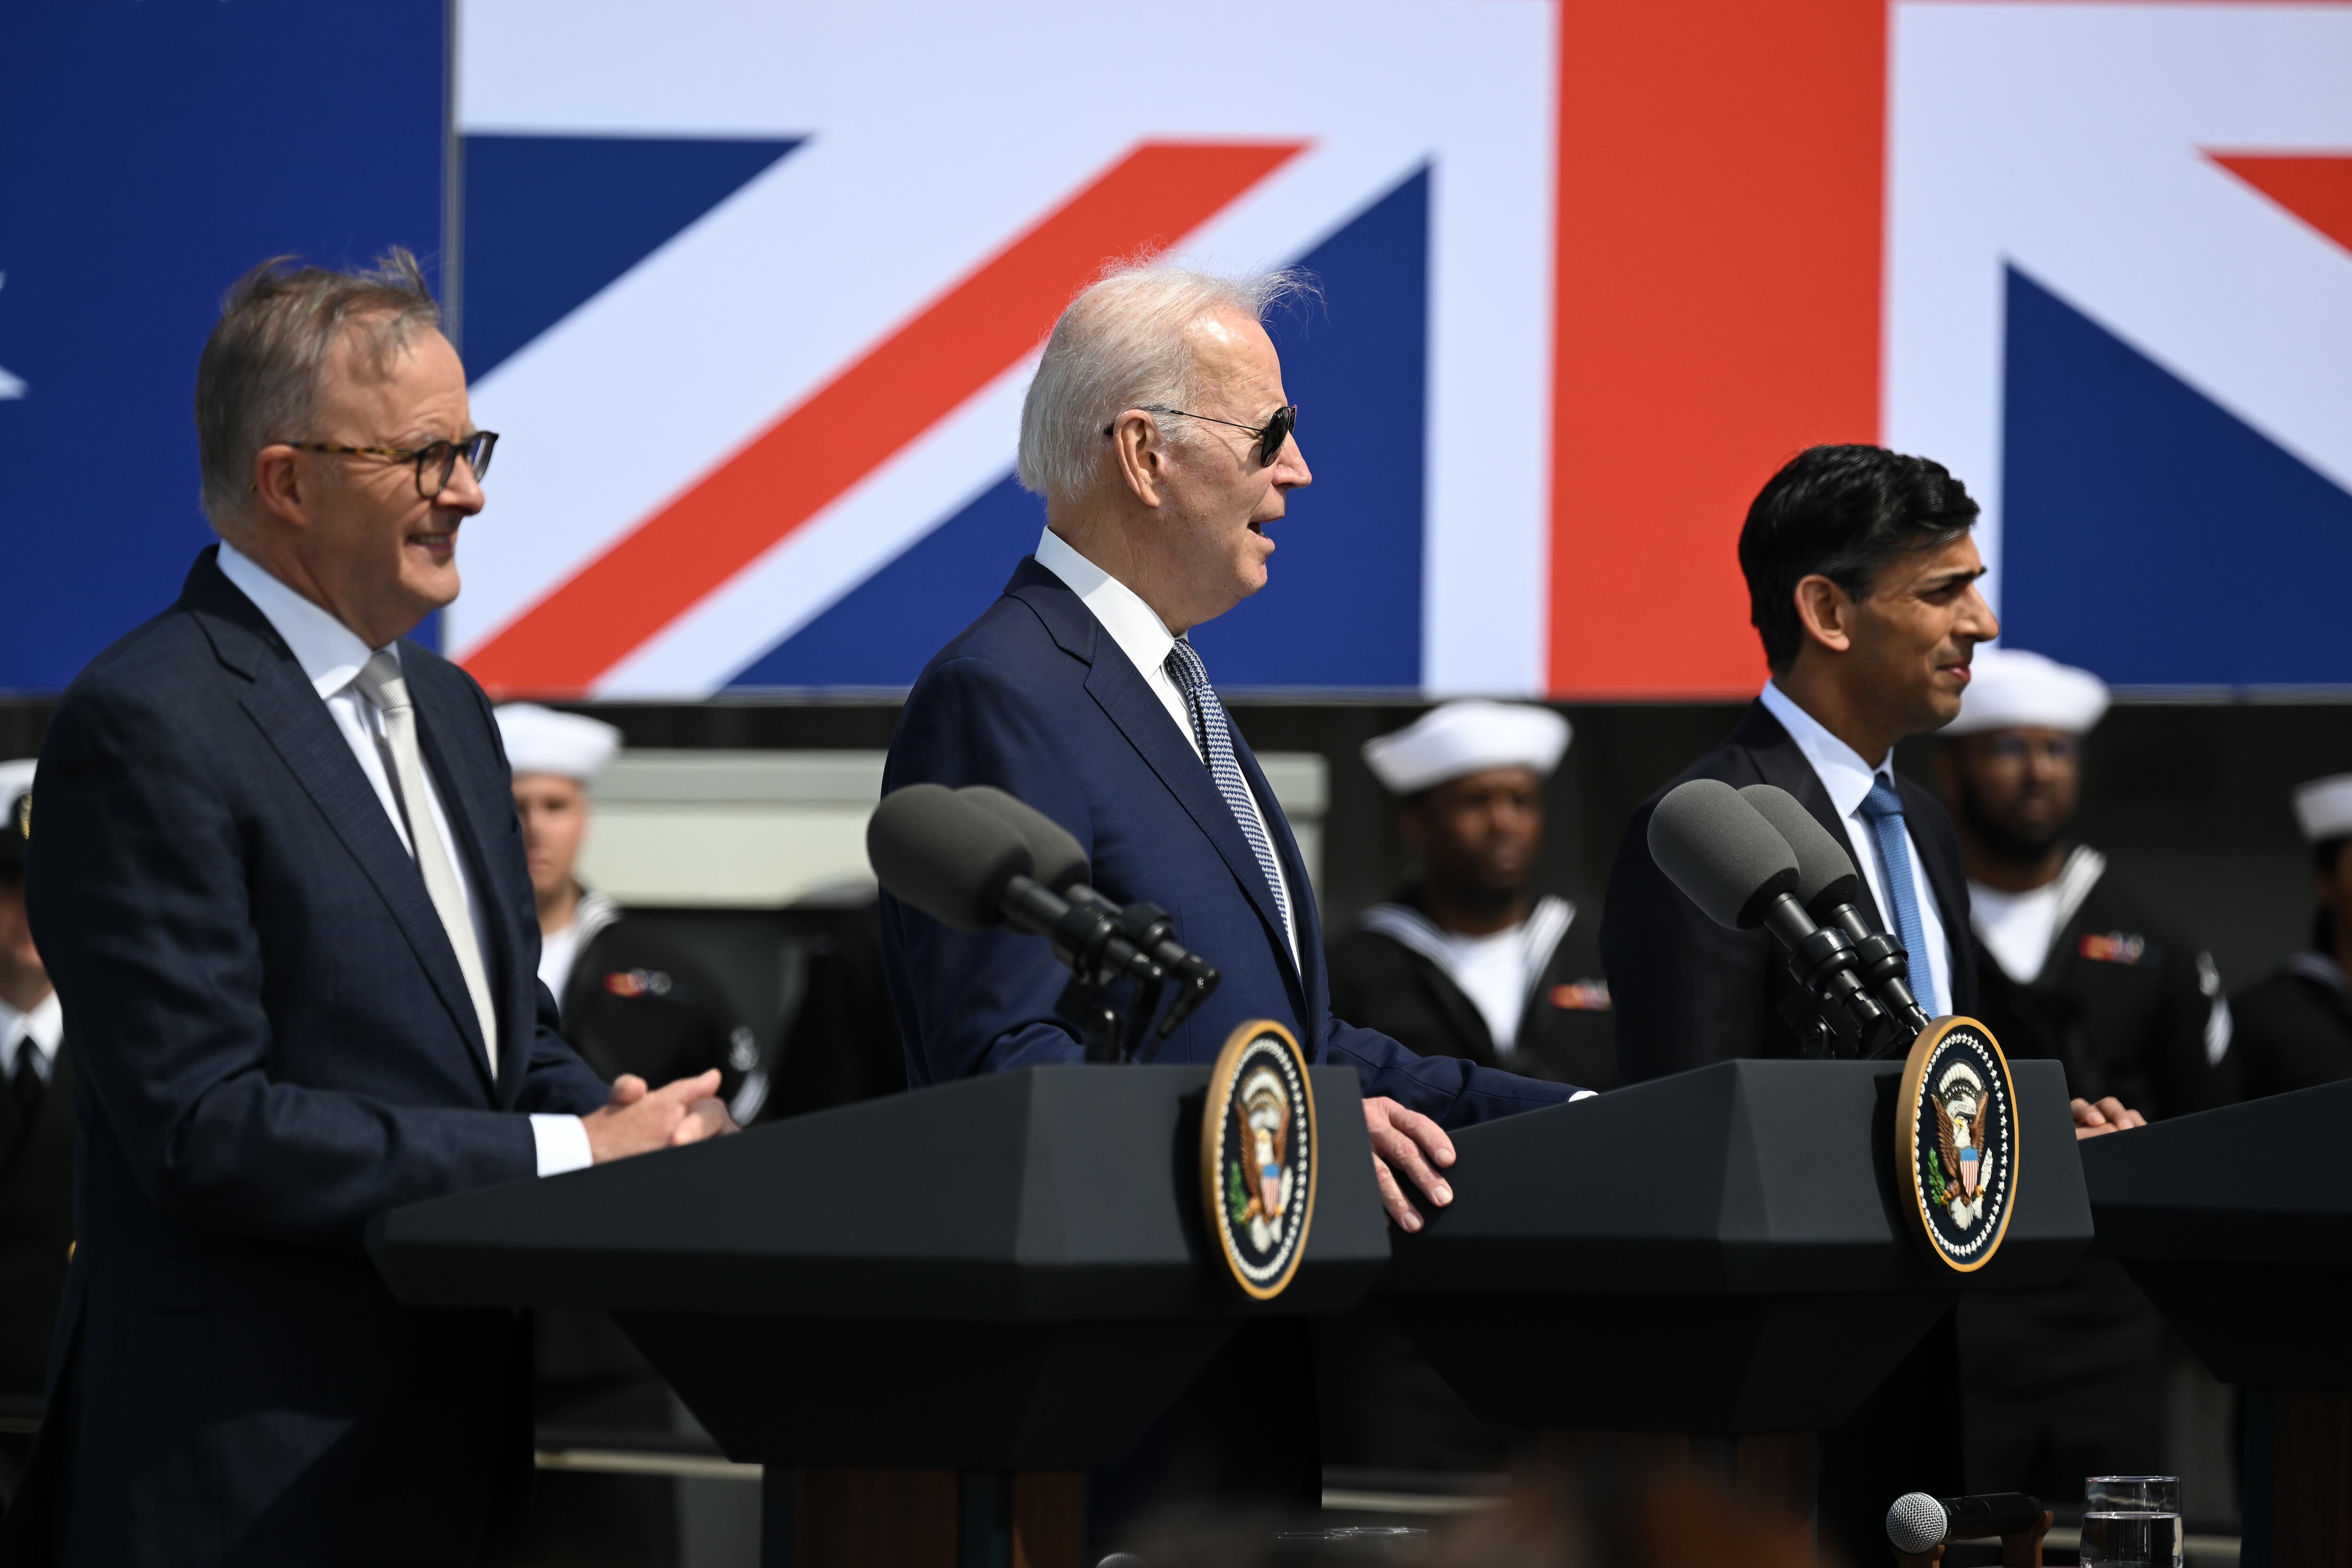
[(1062, 865), (1828, 886), (1715, 846), (952, 860), (1918, 1523)]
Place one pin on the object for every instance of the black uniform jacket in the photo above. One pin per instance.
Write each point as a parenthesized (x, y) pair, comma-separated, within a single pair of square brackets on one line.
[(1688, 992), (2126, 999), (1380, 983), (635, 1002), (36, 1226), (2294, 1029)]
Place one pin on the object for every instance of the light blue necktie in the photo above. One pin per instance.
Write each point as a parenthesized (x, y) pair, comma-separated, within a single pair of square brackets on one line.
[(1210, 729), (1882, 808)]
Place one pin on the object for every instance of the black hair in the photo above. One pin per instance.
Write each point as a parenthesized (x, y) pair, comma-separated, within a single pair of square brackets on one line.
[(1847, 513)]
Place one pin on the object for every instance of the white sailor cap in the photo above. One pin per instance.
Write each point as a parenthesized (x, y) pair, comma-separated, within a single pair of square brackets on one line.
[(540, 740), (16, 778), (1467, 737), (2323, 809), (2010, 688)]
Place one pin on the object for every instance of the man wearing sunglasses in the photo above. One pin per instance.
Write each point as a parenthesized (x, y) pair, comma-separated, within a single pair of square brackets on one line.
[(1159, 434), (275, 871)]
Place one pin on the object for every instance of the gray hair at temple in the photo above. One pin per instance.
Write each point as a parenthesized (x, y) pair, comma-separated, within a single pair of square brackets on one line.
[(259, 379), (1122, 344)]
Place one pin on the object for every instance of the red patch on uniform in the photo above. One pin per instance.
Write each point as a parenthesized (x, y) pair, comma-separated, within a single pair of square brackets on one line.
[(1581, 997), (625, 982), (2114, 948)]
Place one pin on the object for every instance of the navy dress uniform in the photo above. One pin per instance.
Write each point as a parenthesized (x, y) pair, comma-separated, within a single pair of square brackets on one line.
[(36, 1133), (1528, 998), (2086, 971), (2294, 1026)]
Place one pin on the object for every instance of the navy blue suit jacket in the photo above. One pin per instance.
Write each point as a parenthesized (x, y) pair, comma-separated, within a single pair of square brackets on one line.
[(1037, 699), (273, 1042)]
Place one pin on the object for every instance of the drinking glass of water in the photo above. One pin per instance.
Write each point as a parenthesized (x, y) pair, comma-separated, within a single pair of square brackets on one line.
[(2131, 1521)]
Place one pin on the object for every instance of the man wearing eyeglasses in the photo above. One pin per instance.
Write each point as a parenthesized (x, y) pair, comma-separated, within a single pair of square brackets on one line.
[(2075, 964), (1157, 433), (275, 871)]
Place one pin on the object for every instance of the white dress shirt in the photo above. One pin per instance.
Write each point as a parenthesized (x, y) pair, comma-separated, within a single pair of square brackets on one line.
[(1145, 639), (1848, 779), (41, 1030), (331, 655)]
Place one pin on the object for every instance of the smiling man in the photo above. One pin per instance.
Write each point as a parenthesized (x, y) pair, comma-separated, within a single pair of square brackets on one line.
[(276, 874)]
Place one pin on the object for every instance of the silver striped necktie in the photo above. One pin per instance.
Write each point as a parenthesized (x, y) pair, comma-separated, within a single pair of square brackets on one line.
[(1215, 735)]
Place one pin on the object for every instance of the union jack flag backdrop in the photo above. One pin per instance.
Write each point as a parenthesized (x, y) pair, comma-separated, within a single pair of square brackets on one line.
[(753, 292)]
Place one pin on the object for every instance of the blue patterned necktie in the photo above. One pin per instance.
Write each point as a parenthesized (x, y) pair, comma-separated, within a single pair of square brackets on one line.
[(1210, 729), (1882, 809)]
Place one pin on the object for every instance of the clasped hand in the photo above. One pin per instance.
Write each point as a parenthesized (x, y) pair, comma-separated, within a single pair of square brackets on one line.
[(637, 1120)]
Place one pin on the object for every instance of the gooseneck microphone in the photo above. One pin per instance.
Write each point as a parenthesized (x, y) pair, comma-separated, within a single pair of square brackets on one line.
[(1829, 886), (1058, 861), (1715, 846), (952, 860), (1918, 1523)]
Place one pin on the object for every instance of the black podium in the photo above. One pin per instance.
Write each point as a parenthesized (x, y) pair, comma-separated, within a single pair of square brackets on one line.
[(1715, 1255), (2238, 1224), (1004, 1278)]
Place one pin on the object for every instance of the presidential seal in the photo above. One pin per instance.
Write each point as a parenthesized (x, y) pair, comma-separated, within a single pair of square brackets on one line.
[(1257, 1156), (1955, 1143)]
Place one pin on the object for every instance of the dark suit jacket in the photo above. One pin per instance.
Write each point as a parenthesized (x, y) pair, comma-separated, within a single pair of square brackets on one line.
[(1037, 699), (36, 1226), (273, 1042), (1689, 992)]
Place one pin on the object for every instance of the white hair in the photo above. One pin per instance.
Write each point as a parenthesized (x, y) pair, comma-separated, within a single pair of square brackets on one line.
[(1121, 344)]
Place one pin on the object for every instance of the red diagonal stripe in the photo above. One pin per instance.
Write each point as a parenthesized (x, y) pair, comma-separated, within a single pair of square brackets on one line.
[(1151, 199), (2316, 187)]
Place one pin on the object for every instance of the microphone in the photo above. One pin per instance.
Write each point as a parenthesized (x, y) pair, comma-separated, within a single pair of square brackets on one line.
[(1828, 886), (1718, 848), (949, 858), (1059, 862), (1918, 1523)]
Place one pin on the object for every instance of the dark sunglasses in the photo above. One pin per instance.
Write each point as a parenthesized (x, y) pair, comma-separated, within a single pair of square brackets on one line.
[(1270, 435)]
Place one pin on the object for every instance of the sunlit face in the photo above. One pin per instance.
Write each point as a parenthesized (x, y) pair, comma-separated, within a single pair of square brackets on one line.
[(553, 811), (1220, 498), (383, 556), (1914, 637)]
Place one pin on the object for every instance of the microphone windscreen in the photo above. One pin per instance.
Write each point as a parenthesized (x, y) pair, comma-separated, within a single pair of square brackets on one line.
[(1825, 874), (1725, 858), (1055, 857), (944, 855), (1915, 1524)]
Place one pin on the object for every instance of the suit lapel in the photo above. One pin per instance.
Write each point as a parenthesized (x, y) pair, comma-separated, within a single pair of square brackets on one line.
[(1948, 881), (453, 752), (1118, 689), (1782, 763), (287, 709)]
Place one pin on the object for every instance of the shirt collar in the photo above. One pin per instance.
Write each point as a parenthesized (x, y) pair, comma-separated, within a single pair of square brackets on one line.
[(44, 1026), (1840, 767), (329, 653), (1134, 625)]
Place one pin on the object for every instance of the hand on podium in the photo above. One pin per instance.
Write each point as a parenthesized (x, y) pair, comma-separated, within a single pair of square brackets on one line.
[(2108, 1115), (637, 1120), (1409, 1142)]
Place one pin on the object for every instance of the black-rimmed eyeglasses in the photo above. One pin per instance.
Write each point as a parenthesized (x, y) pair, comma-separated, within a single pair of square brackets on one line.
[(436, 458), (1270, 435)]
